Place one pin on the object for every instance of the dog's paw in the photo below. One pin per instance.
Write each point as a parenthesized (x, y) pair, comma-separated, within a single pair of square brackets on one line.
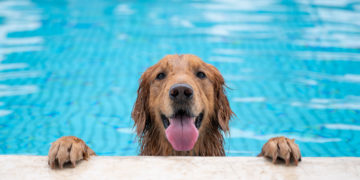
[(68, 149), (283, 148)]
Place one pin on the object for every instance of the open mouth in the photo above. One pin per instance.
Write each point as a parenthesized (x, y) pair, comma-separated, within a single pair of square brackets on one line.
[(181, 113), (181, 129)]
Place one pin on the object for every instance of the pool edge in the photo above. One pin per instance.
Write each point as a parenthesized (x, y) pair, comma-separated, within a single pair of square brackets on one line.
[(147, 167)]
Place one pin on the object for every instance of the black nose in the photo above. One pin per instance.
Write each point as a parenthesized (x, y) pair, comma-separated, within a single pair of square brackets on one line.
[(181, 92)]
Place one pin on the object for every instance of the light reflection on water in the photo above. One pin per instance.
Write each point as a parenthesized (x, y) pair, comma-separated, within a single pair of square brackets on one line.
[(71, 68), (16, 21)]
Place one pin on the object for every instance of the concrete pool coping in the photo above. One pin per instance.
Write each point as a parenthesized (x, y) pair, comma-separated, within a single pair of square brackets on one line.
[(145, 167)]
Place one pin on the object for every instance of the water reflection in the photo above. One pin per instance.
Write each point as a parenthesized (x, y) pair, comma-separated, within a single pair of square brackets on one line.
[(18, 16)]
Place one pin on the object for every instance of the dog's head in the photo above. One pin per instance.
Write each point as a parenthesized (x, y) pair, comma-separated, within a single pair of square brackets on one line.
[(181, 96)]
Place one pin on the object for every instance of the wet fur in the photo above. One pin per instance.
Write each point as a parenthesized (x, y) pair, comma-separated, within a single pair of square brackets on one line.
[(150, 132)]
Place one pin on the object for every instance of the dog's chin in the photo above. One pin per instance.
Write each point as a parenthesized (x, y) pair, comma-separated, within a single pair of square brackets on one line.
[(182, 129)]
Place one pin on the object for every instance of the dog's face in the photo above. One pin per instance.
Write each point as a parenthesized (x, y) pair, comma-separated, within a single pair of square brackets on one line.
[(181, 96)]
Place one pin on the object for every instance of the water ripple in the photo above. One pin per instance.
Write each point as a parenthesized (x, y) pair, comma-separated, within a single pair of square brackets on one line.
[(237, 133)]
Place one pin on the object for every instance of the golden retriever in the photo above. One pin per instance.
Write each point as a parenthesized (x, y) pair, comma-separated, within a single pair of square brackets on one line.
[(181, 110)]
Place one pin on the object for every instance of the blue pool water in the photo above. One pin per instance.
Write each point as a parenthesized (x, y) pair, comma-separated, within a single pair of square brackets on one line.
[(71, 68)]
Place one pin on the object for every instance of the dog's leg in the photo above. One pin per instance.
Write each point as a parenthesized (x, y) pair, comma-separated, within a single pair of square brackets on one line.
[(283, 148), (68, 149)]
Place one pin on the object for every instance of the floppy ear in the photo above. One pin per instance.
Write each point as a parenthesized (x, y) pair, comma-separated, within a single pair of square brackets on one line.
[(140, 113), (222, 106)]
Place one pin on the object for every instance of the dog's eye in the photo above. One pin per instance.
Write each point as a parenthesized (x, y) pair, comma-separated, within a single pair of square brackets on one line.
[(201, 75), (160, 76)]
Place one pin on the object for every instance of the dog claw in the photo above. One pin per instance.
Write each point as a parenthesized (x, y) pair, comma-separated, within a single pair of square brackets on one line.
[(281, 148), (68, 149)]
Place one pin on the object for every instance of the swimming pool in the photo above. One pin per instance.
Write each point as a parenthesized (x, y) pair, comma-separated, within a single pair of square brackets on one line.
[(71, 68)]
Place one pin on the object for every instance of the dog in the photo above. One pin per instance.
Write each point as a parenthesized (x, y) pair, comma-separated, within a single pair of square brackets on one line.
[(181, 110)]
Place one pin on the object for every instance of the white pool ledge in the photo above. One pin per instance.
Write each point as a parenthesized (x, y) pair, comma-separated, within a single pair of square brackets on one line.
[(108, 167)]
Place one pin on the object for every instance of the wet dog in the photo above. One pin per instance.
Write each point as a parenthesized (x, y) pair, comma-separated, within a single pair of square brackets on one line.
[(181, 109)]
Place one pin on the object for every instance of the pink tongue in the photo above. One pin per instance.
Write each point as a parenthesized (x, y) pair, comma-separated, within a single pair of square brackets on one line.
[(182, 133)]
